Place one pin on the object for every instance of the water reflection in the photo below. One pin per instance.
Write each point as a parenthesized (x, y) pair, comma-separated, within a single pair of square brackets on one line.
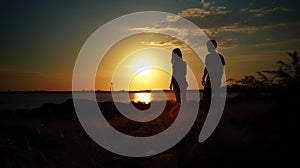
[(144, 98)]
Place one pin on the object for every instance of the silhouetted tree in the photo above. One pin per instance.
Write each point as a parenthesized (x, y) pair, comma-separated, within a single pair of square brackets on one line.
[(288, 74), (262, 81)]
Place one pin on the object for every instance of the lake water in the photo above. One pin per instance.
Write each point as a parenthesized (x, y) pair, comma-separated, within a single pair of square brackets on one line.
[(12, 101)]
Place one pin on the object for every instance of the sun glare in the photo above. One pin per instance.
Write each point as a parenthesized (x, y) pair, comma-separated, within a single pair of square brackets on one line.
[(144, 98), (143, 66), (143, 70)]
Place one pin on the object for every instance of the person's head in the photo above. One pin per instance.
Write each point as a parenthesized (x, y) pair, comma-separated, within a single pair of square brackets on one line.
[(176, 55), (177, 52), (211, 45)]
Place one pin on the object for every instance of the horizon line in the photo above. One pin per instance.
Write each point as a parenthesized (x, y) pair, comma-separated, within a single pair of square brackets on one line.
[(70, 91)]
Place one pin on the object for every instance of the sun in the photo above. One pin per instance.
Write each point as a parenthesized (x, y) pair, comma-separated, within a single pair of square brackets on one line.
[(143, 66), (145, 69), (144, 98)]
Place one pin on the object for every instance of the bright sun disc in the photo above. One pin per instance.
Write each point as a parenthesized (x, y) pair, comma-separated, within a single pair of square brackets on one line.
[(145, 71), (142, 98), (143, 65)]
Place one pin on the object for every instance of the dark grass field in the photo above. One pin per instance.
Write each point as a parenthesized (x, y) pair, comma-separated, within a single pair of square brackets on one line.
[(252, 132)]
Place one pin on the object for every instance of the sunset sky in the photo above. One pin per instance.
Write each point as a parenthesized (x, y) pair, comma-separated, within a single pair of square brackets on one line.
[(40, 40)]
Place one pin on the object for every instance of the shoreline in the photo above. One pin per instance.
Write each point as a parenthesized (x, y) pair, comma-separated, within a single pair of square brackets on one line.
[(89, 91)]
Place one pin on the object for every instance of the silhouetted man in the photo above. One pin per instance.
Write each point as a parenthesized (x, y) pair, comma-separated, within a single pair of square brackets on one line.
[(214, 62)]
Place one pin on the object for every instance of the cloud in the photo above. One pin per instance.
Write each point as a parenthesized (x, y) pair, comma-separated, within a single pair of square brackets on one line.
[(195, 12), (228, 43), (191, 37), (202, 13), (205, 4), (238, 28), (217, 19), (168, 43), (261, 12), (235, 27)]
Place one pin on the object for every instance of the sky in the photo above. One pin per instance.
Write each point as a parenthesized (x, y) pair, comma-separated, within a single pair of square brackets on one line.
[(40, 40)]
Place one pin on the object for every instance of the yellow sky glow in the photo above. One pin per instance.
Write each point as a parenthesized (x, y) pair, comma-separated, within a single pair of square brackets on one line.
[(142, 62)]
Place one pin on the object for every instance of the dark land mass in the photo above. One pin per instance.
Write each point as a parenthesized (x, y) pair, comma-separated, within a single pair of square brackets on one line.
[(253, 131)]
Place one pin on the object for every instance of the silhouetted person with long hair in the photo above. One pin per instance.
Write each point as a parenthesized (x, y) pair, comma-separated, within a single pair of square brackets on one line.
[(211, 61), (178, 81)]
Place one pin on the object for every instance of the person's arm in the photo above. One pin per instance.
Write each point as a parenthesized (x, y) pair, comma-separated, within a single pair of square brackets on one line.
[(204, 76)]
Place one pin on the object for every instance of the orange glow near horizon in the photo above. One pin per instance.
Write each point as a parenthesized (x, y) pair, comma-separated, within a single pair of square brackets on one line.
[(150, 80), (140, 71), (142, 62)]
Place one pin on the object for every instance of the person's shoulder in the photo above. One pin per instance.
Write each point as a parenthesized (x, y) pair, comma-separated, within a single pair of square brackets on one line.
[(210, 57)]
